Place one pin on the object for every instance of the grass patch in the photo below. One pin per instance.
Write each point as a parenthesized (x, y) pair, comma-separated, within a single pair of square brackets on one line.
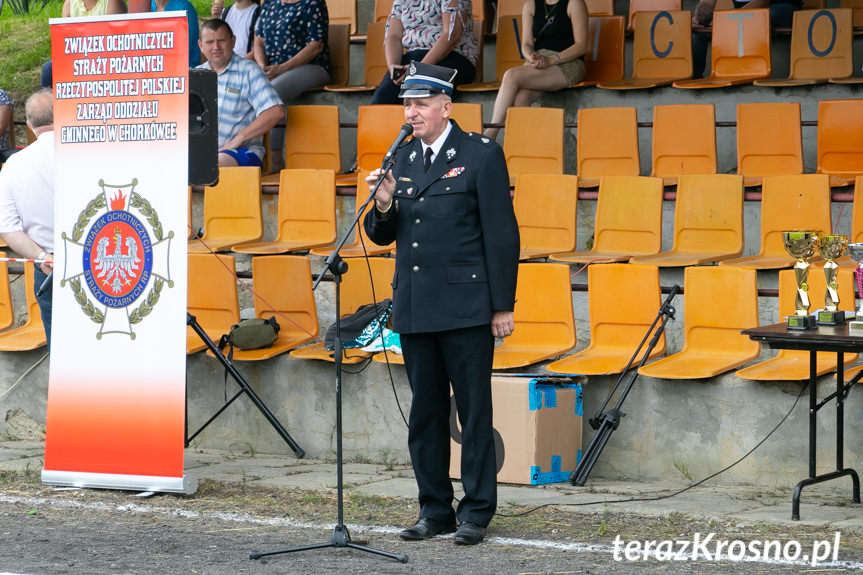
[(28, 37)]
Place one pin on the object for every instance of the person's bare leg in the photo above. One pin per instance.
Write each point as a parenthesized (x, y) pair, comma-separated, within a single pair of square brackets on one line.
[(226, 160), (522, 87)]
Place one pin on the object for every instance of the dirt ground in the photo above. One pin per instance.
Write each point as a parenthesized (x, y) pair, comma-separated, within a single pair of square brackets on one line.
[(94, 532)]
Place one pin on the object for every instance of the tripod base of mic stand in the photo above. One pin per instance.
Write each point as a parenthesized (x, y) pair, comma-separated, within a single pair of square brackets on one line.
[(341, 538)]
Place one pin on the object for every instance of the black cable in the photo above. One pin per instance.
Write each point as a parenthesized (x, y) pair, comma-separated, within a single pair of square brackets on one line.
[(676, 493), (380, 327)]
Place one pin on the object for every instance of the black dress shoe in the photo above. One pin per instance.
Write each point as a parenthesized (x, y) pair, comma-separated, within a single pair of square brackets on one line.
[(427, 528), (469, 534)]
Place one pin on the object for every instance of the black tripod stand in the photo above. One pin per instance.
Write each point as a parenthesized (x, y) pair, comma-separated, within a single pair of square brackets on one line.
[(244, 388), (337, 266), (605, 422)]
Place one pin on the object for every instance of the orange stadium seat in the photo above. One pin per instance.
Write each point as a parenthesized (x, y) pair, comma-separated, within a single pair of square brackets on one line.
[(343, 12), (339, 41), (792, 364), (544, 322), (840, 140), (856, 7), (307, 213), (740, 49), (383, 9), (684, 141), (628, 221), (820, 49), (619, 317), (603, 61), (468, 116), (607, 144), (719, 302), (361, 245), (283, 289), (856, 235), (600, 7), (662, 51), (360, 286), (31, 334), (533, 141), (638, 6), (509, 8), (375, 62), (212, 293), (232, 211), (708, 222), (799, 202), (545, 208), (507, 53), (312, 138), (377, 126), (7, 312), (769, 140)]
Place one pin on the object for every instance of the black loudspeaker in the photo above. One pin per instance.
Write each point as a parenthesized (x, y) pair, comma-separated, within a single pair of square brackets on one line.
[(203, 128)]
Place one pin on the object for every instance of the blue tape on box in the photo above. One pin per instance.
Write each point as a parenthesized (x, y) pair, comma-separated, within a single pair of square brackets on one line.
[(537, 389)]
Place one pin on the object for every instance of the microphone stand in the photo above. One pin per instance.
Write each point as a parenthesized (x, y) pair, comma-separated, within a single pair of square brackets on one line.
[(605, 422), (337, 266)]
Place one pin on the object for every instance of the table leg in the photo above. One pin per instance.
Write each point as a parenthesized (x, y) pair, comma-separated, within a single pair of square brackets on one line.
[(813, 421)]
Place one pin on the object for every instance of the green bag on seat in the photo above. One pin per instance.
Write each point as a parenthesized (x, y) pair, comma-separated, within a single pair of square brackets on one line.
[(253, 333)]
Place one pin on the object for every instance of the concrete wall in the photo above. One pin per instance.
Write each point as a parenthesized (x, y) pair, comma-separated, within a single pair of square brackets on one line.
[(671, 428)]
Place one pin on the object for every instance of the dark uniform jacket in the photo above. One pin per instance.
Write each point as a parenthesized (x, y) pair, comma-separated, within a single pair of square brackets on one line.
[(457, 242)]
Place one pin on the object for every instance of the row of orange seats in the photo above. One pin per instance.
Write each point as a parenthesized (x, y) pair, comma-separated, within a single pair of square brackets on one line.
[(623, 300), (821, 51), (708, 222), (769, 140)]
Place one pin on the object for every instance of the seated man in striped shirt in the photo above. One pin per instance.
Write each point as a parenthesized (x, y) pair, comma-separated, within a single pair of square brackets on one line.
[(248, 104)]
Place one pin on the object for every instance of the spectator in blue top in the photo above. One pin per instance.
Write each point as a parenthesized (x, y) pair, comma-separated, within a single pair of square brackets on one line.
[(291, 45), (192, 15)]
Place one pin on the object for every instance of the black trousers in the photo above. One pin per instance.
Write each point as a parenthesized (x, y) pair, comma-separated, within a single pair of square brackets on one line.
[(462, 357)]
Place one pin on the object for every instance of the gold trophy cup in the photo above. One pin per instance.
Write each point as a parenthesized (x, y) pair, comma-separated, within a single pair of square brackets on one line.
[(856, 253), (801, 245), (831, 247)]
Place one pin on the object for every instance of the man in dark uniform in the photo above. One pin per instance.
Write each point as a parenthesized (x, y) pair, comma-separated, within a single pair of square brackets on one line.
[(447, 205)]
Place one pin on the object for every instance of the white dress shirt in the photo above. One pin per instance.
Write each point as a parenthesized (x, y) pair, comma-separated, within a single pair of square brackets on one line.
[(27, 192)]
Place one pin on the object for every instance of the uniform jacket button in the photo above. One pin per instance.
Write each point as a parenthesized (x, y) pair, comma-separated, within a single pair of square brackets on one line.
[(416, 268), (417, 221), (415, 244)]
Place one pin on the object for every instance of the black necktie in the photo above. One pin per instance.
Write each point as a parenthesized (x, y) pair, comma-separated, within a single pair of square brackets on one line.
[(428, 160)]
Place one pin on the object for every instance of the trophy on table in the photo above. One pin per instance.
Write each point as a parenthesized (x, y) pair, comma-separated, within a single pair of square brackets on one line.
[(831, 247), (856, 253), (801, 244)]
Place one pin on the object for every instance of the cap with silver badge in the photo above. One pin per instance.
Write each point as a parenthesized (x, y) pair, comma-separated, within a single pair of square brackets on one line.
[(424, 80)]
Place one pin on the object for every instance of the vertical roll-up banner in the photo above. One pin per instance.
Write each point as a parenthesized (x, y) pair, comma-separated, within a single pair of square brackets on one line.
[(116, 390)]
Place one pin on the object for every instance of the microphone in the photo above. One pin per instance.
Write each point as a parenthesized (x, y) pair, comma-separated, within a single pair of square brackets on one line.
[(406, 131)]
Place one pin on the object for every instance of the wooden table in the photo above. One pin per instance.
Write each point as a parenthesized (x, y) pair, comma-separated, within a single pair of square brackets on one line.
[(826, 339)]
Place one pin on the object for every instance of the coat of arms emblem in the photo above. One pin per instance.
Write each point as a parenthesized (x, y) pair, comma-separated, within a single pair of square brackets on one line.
[(118, 257)]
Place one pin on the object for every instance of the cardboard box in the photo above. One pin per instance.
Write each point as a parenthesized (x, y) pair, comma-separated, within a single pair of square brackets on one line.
[(537, 424)]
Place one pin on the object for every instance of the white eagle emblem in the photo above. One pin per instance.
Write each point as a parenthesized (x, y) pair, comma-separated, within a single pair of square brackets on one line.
[(413, 155), (116, 269), (450, 154)]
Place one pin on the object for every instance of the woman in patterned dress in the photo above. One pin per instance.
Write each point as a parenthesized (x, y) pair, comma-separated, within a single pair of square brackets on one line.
[(431, 31), (291, 45)]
